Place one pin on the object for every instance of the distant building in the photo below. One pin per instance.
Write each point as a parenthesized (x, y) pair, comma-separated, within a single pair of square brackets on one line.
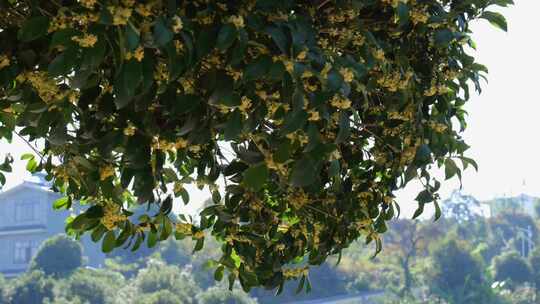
[(522, 203), (27, 219)]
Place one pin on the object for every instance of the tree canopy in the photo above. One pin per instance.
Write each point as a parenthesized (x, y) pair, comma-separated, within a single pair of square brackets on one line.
[(59, 255), (300, 117)]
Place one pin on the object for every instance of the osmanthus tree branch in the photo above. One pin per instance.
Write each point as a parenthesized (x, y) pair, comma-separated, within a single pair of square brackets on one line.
[(161, 86)]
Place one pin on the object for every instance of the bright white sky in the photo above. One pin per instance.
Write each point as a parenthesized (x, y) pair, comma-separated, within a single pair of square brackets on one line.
[(504, 121)]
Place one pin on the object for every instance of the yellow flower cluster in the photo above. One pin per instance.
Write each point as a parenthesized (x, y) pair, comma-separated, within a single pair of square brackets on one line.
[(436, 89), (341, 16), (378, 54), (418, 16), (4, 61), (178, 25), (120, 15), (89, 4), (112, 215), (314, 115), (340, 102), (181, 143), (407, 156), (162, 74), (245, 104), (292, 273), (162, 144), (358, 39), (86, 41), (302, 139), (138, 54), (238, 21), (144, 10), (106, 172), (437, 126), (59, 22), (235, 74), (347, 74), (130, 130), (281, 168), (298, 199), (405, 116), (184, 228), (46, 87), (395, 81), (187, 84)]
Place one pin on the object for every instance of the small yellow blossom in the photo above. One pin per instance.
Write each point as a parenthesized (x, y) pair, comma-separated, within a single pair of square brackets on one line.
[(121, 15), (106, 172), (289, 66), (195, 148), (4, 61), (307, 74), (139, 54), (262, 94), (144, 10), (302, 55), (314, 115), (418, 16), (347, 74), (238, 21), (178, 25), (379, 54), (112, 215), (86, 41), (130, 130), (184, 228), (245, 104), (181, 143), (340, 102), (88, 3)]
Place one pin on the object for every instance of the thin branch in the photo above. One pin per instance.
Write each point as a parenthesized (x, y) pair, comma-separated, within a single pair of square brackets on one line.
[(30, 145)]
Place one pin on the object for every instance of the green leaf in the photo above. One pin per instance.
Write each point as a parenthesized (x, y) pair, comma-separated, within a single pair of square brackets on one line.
[(403, 13), (63, 63), (304, 172), (450, 168), (258, 69), (109, 242), (279, 38), (503, 3), (93, 57), (444, 36), (496, 19), (31, 165), (255, 177), (64, 202), (218, 274), (34, 28), (344, 128), (334, 169), (234, 126), (438, 212), (469, 161), (226, 37), (152, 239), (127, 82), (418, 211), (162, 34), (424, 197), (133, 38)]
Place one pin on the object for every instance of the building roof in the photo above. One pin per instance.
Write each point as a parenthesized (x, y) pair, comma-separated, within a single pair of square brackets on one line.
[(36, 182)]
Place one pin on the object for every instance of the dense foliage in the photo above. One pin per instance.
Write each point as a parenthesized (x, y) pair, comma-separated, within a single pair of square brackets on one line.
[(59, 255), (453, 270), (312, 112)]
